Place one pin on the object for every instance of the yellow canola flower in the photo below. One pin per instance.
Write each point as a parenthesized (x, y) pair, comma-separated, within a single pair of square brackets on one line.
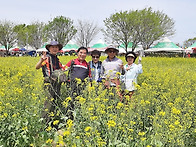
[(143, 138), (49, 140), (70, 123), (141, 133), (92, 118), (119, 105), (162, 113), (65, 104), (111, 123), (177, 123), (170, 104), (48, 128), (111, 94), (24, 128), (5, 114), (68, 99), (78, 80), (90, 109), (132, 123), (82, 100), (66, 133), (175, 111), (51, 114), (55, 122), (131, 130), (87, 129)]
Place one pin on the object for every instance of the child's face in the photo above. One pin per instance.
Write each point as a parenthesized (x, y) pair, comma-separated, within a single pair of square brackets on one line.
[(54, 49), (130, 60)]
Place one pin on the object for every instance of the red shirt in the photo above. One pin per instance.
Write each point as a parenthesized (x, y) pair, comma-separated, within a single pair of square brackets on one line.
[(80, 70)]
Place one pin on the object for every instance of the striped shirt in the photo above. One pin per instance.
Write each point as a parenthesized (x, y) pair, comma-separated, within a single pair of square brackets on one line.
[(81, 70)]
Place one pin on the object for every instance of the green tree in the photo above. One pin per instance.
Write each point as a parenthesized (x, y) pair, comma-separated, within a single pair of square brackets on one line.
[(119, 27), (153, 26), (60, 29), (139, 26), (36, 34), (8, 37), (21, 35)]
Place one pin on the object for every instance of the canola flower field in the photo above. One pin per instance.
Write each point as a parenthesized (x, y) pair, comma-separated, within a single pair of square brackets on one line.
[(161, 112)]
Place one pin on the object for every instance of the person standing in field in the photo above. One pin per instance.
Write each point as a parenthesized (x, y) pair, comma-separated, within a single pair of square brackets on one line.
[(79, 70), (132, 71), (49, 63), (112, 67), (95, 65)]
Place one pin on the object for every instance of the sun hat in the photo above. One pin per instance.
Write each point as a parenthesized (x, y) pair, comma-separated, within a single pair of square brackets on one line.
[(52, 43), (130, 54), (112, 47)]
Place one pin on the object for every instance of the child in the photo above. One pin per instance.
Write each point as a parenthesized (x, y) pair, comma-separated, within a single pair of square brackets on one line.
[(132, 71)]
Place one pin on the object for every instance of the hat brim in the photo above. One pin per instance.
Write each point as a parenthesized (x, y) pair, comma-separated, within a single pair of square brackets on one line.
[(59, 45), (130, 55), (111, 48)]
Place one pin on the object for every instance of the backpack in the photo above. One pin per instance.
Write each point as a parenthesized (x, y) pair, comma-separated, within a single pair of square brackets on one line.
[(57, 75)]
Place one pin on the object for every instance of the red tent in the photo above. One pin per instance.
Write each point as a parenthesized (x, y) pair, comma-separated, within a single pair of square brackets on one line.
[(16, 49)]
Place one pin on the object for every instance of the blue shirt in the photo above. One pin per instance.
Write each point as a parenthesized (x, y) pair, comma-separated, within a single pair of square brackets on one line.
[(95, 70)]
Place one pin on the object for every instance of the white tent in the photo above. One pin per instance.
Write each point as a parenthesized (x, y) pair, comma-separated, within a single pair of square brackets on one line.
[(41, 50), (189, 49), (129, 48), (100, 45), (165, 45), (70, 46)]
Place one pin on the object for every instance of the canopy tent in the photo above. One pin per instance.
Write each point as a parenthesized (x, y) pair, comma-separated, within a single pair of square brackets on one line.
[(129, 48), (15, 49), (100, 46), (42, 49), (165, 46), (70, 46), (190, 48), (2, 47), (22, 49)]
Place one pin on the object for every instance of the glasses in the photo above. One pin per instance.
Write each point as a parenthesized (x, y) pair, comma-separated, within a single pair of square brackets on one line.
[(112, 51), (95, 56)]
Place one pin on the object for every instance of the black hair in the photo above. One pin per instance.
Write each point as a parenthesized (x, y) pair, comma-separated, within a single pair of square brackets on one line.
[(131, 52), (82, 48), (96, 52)]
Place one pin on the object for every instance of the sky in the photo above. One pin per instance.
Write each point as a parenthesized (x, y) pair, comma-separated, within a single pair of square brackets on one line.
[(183, 12)]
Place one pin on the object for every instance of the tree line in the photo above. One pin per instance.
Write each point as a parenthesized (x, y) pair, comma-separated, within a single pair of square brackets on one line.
[(137, 26)]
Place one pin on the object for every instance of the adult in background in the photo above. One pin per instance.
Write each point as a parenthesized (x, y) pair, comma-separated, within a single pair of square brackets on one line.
[(49, 63), (112, 67), (132, 71), (95, 65)]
